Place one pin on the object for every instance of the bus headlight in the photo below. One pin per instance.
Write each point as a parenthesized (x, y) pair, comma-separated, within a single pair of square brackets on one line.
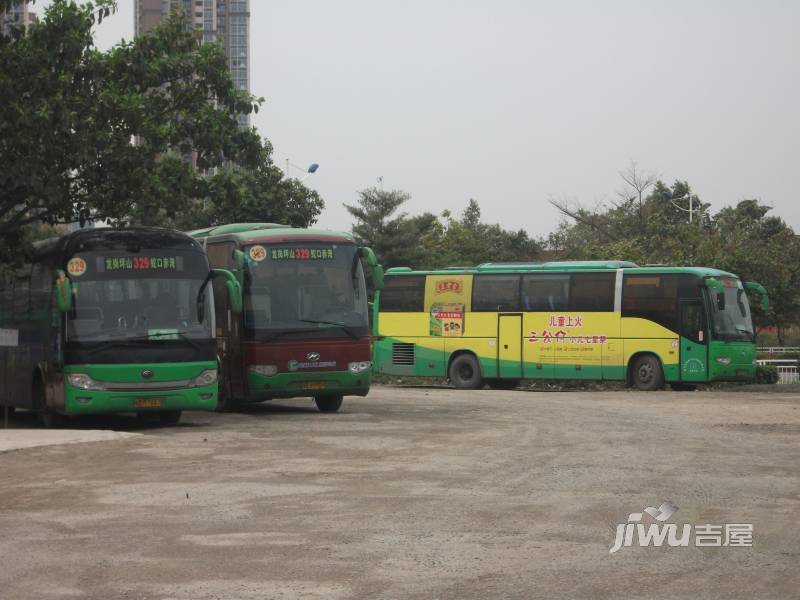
[(84, 382), (205, 378), (263, 370), (723, 360), (359, 367)]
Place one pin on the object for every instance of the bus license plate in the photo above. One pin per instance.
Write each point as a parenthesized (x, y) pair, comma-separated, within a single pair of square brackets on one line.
[(147, 403), (313, 385)]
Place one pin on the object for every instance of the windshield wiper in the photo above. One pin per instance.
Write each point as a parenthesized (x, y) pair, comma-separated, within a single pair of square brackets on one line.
[(344, 326)]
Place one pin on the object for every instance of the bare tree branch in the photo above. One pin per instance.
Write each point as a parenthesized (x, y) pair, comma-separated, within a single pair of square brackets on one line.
[(590, 220)]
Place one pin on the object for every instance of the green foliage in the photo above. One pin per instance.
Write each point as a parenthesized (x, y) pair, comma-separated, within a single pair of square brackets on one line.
[(766, 374), (425, 242), (68, 114)]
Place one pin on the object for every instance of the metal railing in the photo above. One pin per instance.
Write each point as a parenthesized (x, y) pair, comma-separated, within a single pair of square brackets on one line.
[(778, 349), (788, 374), (788, 369)]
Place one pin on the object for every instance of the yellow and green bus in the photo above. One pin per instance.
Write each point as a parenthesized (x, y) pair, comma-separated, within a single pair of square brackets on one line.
[(497, 324)]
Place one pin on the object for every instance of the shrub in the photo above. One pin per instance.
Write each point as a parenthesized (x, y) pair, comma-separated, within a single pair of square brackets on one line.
[(766, 374)]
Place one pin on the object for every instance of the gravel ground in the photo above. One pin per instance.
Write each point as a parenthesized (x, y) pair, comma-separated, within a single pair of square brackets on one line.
[(411, 493)]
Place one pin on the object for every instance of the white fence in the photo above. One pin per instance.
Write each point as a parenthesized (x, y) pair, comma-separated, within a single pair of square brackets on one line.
[(778, 349), (788, 375), (787, 369)]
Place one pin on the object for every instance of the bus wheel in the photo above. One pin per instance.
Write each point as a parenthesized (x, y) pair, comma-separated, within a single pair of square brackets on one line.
[(169, 417), (47, 416), (329, 404), (465, 372), (647, 373), (503, 384), (683, 387)]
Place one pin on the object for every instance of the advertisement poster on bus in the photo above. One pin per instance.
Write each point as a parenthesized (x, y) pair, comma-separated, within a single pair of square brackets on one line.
[(447, 319)]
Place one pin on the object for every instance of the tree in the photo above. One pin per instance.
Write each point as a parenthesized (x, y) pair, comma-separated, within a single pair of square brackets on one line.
[(469, 241), (424, 242), (393, 237), (68, 113), (747, 241)]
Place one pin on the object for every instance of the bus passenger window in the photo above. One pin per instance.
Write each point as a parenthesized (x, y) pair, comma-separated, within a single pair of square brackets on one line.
[(492, 293), (651, 297), (403, 293), (545, 293), (592, 292)]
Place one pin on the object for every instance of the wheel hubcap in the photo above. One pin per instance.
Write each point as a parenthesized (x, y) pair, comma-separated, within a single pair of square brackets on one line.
[(645, 373)]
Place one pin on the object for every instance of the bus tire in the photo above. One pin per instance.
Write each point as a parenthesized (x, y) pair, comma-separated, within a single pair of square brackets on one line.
[(329, 404), (465, 372), (169, 417), (503, 384), (47, 416), (647, 374)]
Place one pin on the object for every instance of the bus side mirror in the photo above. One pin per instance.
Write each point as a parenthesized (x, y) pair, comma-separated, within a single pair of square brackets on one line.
[(238, 260), (762, 293), (63, 292), (376, 270), (233, 288)]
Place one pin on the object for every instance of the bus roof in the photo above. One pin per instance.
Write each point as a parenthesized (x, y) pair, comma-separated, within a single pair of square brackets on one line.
[(110, 237), (562, 266), (250, 233)]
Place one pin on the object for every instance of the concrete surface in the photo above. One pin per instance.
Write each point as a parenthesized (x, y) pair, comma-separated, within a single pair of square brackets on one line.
[(17, 439), (411, 493)]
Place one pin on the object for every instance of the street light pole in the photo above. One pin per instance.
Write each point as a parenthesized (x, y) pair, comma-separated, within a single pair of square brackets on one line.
[(690, 210), (312, 168)]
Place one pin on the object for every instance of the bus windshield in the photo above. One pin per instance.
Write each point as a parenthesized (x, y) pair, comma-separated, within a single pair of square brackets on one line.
[(734, 321), (310, 290), (149, 295)]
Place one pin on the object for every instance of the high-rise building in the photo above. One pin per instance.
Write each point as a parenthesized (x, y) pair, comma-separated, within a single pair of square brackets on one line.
[(19, 15), (224, 21)]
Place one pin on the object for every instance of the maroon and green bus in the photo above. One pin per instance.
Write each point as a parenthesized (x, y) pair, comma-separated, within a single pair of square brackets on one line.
[(304, 326)]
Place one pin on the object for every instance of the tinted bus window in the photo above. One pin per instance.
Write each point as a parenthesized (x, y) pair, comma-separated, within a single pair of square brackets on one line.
[(221, 255), (652, 297), (21, 295), (403, 294), (592, 292), (491, 293), (545, 292)]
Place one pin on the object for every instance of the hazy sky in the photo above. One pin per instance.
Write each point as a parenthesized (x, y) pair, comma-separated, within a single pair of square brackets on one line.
[(513, 102)]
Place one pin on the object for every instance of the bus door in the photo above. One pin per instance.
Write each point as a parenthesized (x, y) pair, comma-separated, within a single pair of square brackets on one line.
[(693, 341), (228, 333), (509, 345)]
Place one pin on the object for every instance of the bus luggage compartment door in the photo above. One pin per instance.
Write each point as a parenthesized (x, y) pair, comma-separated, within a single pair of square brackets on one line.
[(509, 346)]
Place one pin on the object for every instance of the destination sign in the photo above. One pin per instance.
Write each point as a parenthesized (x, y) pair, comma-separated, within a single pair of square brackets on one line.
[(301, 253), (140, 263)]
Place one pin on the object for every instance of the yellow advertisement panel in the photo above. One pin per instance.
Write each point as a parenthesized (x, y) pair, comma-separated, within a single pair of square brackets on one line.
[(447, 299)]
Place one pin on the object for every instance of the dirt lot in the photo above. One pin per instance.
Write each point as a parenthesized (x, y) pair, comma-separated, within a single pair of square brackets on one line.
[(411, 493)]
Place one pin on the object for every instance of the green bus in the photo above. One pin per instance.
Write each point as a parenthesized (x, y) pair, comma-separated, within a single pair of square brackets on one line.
[(107, 320), (304, 327), (604, 320)]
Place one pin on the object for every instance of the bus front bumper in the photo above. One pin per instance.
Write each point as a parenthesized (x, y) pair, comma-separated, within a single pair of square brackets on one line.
[(315, 383), (86, 402), (731, 361)]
